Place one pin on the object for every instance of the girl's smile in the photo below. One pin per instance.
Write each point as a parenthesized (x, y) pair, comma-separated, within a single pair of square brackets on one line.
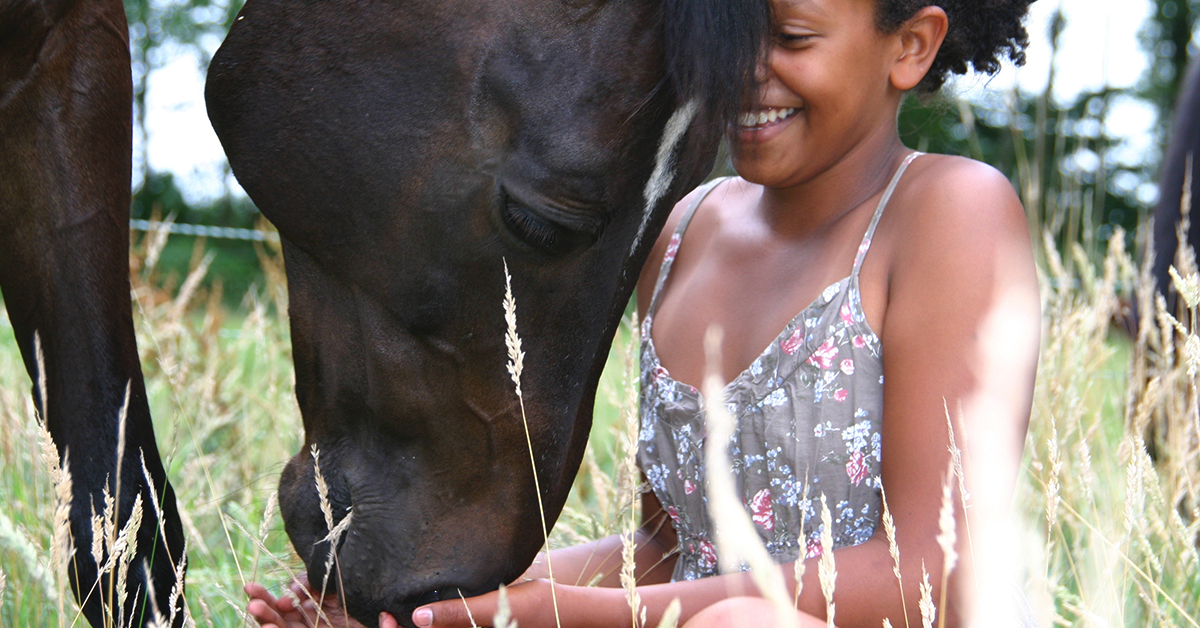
[(761, 125)]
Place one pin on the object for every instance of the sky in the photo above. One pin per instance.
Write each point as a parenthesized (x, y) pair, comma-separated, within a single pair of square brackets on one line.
[(1099, 47)]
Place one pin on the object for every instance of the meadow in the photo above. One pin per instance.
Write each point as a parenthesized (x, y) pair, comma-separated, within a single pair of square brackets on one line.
[(1108, 504)]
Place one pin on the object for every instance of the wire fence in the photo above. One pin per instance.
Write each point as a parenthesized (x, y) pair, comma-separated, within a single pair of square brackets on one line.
[(227, 233)]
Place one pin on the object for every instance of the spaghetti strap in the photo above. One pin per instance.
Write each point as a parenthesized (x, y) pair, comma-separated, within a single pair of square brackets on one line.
[(676, 238), (887, 196)]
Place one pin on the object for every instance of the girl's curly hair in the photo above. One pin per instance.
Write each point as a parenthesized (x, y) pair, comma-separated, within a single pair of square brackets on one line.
[(981, 33)]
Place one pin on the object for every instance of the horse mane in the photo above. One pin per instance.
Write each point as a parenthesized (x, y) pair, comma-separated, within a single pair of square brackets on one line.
[(713, 48)]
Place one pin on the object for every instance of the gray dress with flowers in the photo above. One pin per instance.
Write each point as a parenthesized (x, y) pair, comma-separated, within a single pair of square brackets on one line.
[(808, 414)]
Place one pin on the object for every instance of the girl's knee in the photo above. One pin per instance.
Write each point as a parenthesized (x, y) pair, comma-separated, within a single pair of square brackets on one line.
[(749, 611)]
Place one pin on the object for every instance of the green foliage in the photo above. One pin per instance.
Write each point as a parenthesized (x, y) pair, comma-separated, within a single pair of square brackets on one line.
[(1169, 38)]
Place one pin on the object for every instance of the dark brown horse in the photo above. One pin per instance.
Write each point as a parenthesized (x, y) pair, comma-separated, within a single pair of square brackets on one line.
[(406, 150), (1185, 142), (65, 133)]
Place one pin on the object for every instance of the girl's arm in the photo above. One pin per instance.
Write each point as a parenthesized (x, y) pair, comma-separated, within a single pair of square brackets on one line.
[(599, 562), (960, 336)]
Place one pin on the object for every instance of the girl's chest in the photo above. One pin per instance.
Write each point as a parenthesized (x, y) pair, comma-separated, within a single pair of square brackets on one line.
[(751, 295)]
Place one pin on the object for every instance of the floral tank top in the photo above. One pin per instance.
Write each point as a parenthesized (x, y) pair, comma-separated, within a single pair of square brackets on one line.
[(808, 413)]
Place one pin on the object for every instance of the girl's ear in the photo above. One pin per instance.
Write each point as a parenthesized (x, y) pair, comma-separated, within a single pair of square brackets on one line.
[(920, 39)]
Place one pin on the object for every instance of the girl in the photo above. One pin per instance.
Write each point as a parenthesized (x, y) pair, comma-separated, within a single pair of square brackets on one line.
[(901, 268)]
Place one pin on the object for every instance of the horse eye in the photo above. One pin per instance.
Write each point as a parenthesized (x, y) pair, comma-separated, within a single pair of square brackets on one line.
[(537, 232)]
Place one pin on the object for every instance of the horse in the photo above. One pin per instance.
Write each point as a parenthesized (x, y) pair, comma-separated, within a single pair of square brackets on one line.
[(413, 154), (408, 168), (65, 160), (1183, 147)]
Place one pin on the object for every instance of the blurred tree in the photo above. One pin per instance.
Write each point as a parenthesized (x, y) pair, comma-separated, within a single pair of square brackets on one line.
[(1078, 181), (1169, 38), (161, 30)]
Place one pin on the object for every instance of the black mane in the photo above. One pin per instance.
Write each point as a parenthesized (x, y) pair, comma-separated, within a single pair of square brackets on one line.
[(713, 48)]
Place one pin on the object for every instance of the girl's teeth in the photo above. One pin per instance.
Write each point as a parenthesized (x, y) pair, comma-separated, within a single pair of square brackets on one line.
[(759, 118)]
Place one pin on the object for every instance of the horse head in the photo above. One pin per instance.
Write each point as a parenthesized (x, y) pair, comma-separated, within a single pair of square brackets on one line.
[(408, 152)]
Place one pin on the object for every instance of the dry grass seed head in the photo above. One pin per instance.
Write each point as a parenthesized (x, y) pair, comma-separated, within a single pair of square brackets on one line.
[(125, 550), (826, 569), (516, 361), (670, 616), (737, 541), (503, 617), (889, 528), (947, 535), (18, 541), (800, 566), (1052, 482), (928, 610), (628, 482)]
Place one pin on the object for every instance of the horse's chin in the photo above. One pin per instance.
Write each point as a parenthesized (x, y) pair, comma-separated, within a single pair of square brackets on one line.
[(409, 542)]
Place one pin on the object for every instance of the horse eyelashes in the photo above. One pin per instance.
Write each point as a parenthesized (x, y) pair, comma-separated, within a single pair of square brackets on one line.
[(531, 229)]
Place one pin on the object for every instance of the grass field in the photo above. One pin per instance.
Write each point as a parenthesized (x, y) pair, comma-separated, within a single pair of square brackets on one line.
[(1107, 534)]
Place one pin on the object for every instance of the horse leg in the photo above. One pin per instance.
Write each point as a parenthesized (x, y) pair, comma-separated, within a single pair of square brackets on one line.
[(65, 148)]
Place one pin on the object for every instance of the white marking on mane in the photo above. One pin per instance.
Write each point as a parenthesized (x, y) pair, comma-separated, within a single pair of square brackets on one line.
[(664, 165)]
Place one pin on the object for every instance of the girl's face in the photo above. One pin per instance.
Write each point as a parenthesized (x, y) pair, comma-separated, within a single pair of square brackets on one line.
[(825, 93)]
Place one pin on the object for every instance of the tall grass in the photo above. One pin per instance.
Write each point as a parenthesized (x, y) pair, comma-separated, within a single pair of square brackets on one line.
[(1108, 499)]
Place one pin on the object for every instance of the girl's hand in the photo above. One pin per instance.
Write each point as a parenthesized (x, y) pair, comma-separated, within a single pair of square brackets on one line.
[(283, 612), (531, 604)]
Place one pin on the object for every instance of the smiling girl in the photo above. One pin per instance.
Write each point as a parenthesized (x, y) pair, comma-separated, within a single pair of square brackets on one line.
[(871, 275)]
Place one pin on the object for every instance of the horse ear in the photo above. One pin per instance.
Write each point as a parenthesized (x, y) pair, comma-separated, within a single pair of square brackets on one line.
[(920, 39), (713, 50)]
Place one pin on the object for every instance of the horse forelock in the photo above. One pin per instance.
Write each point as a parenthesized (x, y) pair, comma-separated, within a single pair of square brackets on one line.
[(664, 166), (713, 48)]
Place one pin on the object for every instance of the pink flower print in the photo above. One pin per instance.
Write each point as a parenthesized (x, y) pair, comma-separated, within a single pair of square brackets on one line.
[(848, 366), (672, 248), (674, 513), (792, 343), (840, 394), (859, 341), (660, 374), (813, 548), (856, 468), (708, 556), (760, 508), (862, 248), (689, 487), (824, 355), (847, 317)]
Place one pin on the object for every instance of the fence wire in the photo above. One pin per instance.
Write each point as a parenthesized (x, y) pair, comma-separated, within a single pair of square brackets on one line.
[(227, 233)]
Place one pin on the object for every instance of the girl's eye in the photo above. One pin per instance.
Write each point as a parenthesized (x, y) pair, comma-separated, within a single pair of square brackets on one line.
[(792, 39)]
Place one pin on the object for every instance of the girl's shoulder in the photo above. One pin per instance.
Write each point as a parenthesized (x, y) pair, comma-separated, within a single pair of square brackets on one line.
[(958, 234), (943, 187), (957, 203)]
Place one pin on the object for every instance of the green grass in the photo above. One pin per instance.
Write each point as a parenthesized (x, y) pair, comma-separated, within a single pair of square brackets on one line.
[(220, 385)]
